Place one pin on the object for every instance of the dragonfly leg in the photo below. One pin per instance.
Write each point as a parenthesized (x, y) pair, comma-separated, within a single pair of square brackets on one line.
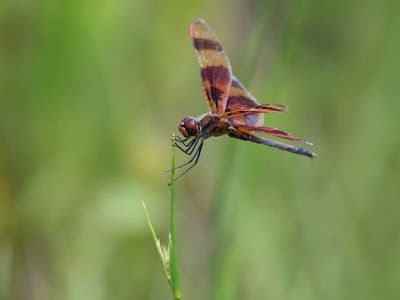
[(196, 156), (189, 148), (182, 141), (187, 151), (197, 153), (179, 139)]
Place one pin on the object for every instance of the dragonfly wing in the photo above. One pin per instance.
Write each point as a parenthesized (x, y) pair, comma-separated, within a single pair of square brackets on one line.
[(265, 108), (215, 68), (274, 132), (241, 100)]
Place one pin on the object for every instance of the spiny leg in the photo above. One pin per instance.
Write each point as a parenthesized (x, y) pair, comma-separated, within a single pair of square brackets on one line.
[(183, 141), (188, 152), (180, 139), (193, 157), (190, 160), (197, 156), (190, 148), (187, 146), (177, 138)]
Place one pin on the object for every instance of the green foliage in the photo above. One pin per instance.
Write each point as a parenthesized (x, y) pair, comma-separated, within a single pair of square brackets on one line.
[(169, 254)]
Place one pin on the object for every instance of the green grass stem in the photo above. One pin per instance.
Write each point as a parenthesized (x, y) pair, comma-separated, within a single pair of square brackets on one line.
[(168, 254), (173, 253)]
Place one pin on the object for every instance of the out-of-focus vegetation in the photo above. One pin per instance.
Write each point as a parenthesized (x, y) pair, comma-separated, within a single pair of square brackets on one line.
[(90, 93)]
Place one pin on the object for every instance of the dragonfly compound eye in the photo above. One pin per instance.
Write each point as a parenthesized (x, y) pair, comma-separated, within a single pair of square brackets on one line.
[(182, 129), (191, 126), (188, 127)]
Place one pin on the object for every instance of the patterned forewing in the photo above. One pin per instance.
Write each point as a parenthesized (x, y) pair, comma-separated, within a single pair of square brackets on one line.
[(215, 68), (240, 99), (261, 109)]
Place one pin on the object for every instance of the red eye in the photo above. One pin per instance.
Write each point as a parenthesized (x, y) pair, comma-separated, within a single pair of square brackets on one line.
[(188, 127), (190, 124), (182, 130)]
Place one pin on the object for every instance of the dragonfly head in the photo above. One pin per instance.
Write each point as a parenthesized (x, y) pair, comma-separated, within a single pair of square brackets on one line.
[(189, 127)]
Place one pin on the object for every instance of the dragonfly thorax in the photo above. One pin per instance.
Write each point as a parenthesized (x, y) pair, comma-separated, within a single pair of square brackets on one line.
[(212, 126)]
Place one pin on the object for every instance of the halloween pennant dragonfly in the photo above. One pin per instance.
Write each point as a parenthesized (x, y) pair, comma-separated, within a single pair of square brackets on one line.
[(233, 111)]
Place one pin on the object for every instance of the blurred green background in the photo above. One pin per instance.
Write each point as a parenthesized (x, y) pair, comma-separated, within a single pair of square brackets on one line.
[(90, 93)]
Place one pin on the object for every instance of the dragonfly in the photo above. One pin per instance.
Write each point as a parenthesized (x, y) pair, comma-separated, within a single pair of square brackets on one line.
[(233, 111)]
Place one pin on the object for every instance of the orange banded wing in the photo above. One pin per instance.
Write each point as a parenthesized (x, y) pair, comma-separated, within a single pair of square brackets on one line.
[(241, 100), (274, 132), (245, 136), (261, 109), (215, 68)]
